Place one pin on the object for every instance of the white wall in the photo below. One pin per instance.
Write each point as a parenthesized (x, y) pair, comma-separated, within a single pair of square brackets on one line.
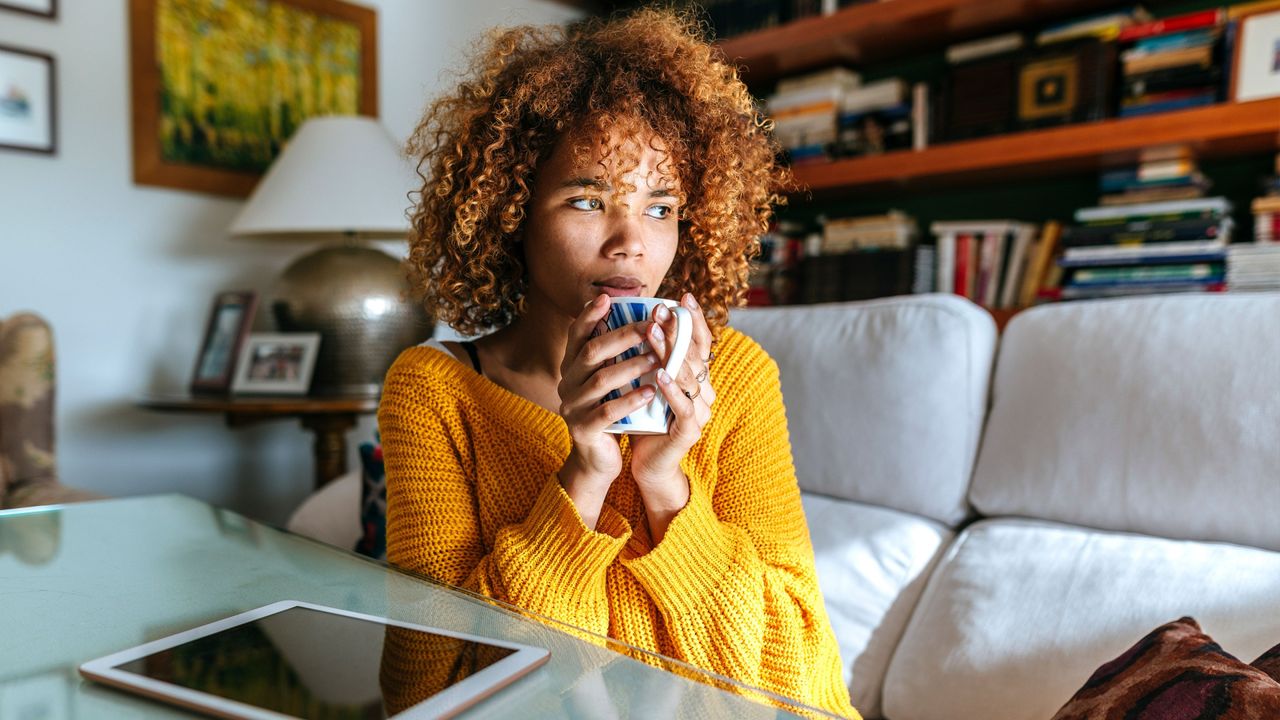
[(126, 273)]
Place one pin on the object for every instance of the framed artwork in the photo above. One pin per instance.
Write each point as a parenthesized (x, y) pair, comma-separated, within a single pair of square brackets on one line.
[(224, 335), (43, 8), (1256, 71), (219, 86), (28, 101), (276, 364)]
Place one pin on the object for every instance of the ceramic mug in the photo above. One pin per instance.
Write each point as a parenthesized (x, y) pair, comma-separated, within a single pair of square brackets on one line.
[(655, 417)]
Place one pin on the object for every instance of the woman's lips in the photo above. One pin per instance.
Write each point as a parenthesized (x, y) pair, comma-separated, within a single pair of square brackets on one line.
[(612, 291), (620, 286)]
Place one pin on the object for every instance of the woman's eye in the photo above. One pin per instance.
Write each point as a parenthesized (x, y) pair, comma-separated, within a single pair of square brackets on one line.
[(661, 212), (586, 203)]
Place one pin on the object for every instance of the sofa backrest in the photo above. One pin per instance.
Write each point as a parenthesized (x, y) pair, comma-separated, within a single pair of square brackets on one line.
[(1156, 415), (885, 398)]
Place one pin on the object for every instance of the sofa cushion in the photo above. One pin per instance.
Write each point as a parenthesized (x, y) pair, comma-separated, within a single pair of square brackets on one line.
[(1175, 672), (1019, 613), (885, 398), (1156, 415), (872, 564)]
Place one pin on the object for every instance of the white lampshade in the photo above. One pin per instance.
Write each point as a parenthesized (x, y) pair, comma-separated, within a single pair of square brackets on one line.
[(339, 175)]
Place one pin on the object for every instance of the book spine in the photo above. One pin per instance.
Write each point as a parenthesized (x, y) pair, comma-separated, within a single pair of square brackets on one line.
[(1154, 210), (1189, 21), (1041, 261), (963, 267), (946, 263), (1016, 267), (919, 116)]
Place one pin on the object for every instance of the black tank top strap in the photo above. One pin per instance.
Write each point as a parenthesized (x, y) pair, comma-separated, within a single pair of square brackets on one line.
[(470, 347)]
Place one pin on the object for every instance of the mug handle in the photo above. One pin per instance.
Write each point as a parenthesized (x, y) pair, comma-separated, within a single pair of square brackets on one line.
[(684, 334)]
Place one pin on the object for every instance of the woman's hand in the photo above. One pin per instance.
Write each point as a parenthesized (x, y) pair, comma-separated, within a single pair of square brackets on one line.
[(587, 374), (655, 459)]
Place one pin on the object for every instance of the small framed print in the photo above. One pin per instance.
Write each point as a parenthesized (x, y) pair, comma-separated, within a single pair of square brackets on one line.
[(28, 101), (276, 364), (224, 334), (1256, 71), (42, 8)]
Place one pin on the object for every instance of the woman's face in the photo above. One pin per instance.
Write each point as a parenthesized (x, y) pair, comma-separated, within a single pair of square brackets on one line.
[(582, 238)]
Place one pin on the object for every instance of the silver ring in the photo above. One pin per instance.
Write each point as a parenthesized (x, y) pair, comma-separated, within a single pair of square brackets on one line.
[(702, 376), (693, 395), (710, 357)]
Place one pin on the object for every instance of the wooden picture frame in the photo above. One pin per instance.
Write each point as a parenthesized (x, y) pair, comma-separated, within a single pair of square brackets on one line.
[(29, 104), (1255, 65), (276, 364), (224, 336), (211, 120), (39, 8)]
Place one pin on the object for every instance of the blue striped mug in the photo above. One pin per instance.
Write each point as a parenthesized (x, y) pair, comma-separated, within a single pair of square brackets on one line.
[(655, 417)]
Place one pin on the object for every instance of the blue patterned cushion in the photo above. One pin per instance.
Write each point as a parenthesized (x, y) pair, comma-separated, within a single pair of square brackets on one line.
[(373, 501)]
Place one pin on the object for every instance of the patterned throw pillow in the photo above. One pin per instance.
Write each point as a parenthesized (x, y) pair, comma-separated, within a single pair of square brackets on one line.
[(373, 501), (1177, 672)]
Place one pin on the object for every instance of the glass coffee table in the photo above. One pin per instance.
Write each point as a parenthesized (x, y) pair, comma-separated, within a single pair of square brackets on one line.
[(81, 581)]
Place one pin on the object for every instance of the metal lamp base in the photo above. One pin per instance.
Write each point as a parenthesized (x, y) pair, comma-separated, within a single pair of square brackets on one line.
[(353, 295)]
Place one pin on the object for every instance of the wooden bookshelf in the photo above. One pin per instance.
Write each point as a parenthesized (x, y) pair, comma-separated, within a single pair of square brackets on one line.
[(871, 32), (1218, 131)]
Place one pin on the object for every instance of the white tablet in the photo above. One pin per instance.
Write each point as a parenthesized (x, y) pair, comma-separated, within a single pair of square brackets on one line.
[(297, 660)]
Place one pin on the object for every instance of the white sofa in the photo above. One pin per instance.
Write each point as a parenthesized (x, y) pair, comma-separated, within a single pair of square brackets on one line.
[(995, 517)]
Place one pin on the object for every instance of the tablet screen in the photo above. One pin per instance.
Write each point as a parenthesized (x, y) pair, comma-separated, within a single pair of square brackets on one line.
[(314, 664)]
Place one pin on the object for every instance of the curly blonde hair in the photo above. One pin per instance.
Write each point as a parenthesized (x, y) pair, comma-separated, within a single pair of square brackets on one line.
[(479, 147)]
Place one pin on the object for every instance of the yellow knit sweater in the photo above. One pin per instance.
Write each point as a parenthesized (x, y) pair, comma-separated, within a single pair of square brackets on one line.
[(473, 500)]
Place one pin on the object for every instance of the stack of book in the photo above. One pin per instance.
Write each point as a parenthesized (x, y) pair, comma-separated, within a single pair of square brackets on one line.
[(1172, 63), (1175, 176), (876, 118), (1253, 266), (991, 262), (860, 257), (1103, 26), (1162, 247), (1266, 209), (806, 109), (894, 230)]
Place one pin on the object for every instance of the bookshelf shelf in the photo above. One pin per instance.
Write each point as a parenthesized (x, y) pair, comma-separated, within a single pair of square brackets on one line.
[(876, 31), (1222, 130)]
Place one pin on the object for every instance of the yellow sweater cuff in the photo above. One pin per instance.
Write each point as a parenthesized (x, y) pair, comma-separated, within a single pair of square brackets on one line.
[(552, 557), (696, 562)]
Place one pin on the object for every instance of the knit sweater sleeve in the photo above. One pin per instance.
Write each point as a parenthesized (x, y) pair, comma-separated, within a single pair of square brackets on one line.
[(549, 562), (734, 577)]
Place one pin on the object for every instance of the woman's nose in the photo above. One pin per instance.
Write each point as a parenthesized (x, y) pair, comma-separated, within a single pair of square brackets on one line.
[(625, 238)]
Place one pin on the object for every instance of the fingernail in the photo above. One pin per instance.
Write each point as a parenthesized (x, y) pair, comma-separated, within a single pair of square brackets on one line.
[(663, 313), (689, 302), (657, 332), (653, 359), (663, 377), (646, 392)]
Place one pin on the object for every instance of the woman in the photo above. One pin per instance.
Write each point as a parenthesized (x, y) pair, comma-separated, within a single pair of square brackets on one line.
[(619, 158)]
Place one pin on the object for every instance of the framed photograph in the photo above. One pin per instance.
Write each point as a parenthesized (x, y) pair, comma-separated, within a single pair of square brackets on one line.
[(1256, 71), (276, 364), (224, 334), (43, 8), (28, 101), (219, 86)]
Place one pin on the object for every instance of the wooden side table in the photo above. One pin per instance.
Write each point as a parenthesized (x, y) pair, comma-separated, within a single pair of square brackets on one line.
[(329, 418)]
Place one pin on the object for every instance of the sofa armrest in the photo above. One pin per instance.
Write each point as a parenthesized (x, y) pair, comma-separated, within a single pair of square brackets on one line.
[(332, 513)]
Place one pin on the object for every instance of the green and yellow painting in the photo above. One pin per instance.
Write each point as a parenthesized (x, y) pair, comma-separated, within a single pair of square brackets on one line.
[(237, 78)]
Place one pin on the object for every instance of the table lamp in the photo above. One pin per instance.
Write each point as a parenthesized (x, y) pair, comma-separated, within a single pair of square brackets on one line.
[(343, 179)]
